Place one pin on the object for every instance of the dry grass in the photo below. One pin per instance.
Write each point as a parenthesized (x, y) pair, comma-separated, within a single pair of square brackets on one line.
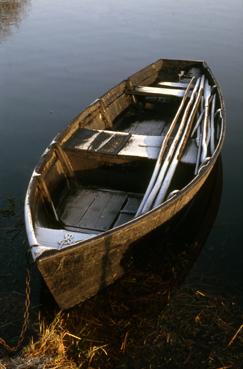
[(202, 329), (47, 353), (197, 329)]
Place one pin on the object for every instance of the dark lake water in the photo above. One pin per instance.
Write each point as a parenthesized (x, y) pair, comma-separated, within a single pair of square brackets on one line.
[(56, 57)]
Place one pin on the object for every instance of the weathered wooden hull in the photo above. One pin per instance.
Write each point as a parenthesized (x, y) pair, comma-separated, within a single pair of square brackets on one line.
[(79, 271)]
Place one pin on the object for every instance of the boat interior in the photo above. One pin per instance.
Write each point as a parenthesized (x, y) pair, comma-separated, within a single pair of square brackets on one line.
[(93, 176)]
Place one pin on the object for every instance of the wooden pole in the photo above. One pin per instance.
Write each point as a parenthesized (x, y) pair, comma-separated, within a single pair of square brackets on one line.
[(163, 148), (152, 195), (178, 154)]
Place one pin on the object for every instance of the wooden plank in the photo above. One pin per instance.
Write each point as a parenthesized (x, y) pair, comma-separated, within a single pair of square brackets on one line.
[(156, 91), (129, 210), (123, 144), (113, 94), (92, 209), (118, 106), (148, 127), (146, 75), (75, 206), (182, 85), (103, 211), (131, 205), (104, 141), (115, 144), (82, 138), (142, 146), (99, 140), (123, 218)]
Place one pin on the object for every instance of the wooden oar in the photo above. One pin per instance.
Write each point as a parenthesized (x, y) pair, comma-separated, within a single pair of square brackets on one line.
[(207, 93), (210, 135), (179, 152), (164, 146), (200, 118), (212, 138), (152, 195), (198, 154)]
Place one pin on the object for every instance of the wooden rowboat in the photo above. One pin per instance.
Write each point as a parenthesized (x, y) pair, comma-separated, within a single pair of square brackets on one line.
[(128, 163)]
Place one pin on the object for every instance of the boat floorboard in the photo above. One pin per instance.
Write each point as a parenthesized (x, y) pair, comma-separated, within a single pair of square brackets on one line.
[(98, 209)]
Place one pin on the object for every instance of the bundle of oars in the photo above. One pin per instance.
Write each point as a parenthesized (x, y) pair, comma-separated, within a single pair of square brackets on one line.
[(194, 117)]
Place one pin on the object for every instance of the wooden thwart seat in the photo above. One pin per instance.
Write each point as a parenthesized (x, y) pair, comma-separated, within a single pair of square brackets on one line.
[(156, 91), (179, 85), (122, 144), (115, 143)]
